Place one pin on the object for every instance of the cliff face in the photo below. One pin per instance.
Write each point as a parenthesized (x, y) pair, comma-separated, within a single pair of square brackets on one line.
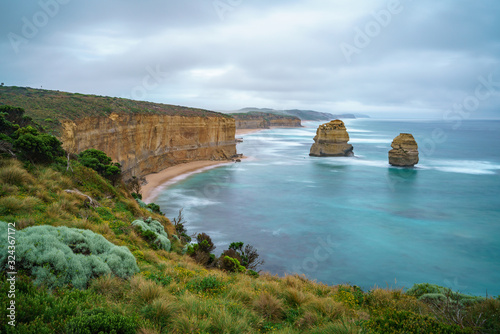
[(148, 143), (404, 151), (331, 140), (260, 120)]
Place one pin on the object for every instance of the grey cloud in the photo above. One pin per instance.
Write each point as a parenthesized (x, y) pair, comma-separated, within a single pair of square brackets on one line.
[(263, 54)]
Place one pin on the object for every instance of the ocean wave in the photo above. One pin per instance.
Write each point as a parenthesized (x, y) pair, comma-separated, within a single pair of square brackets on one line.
[(358, 130), (370, 140), (464, 167), (356, 161), (182, 197)]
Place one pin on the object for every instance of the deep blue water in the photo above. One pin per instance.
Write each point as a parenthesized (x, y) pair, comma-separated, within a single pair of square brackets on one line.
[(357, 219)]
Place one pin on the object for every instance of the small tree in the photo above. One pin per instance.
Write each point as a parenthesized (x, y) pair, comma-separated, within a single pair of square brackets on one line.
[(101, 163), (38, 148), (247, 256), (180, 228), (134, 186), (202, 251)]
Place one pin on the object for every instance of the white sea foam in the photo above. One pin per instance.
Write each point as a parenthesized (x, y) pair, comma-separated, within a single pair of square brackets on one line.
[(370, 140), (188, 201), (158, 190), (357, 160), (463, 166), (349, 130)]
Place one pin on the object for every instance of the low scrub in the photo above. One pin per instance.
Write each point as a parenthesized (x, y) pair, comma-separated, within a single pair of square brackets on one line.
[(56, 256)]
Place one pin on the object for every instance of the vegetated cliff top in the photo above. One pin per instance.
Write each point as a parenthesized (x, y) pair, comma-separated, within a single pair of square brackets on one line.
[(262, 115), (42, 104)]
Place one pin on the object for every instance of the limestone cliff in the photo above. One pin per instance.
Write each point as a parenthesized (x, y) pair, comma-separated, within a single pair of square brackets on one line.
[(404, 151), (331, 140), (147, 143), (261, 120)]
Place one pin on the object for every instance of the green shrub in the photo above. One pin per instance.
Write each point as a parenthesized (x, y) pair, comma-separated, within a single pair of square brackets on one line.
[(201, 251), (38, 311), (105, 213), (252, 273), (38, 148), (435, 294), (159, 278), (232, 265), (154, 208), (153, 232), (392, 321), (209, 284), (101, 321), (57, 256), (417, 290), (101, 163), (247, 256), (355, 291)]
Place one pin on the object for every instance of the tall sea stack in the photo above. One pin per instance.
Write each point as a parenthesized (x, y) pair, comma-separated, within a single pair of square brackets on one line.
[(331, 141), (404, 151)]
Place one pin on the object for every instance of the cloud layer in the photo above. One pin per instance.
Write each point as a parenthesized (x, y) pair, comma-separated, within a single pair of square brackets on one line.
[(388, 58)]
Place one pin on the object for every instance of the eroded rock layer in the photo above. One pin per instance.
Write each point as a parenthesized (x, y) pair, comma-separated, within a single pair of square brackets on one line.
[(331, 140), (404, 151), (148, 143)]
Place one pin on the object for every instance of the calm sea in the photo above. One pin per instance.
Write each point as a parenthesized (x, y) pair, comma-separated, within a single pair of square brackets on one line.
[(357, 219)]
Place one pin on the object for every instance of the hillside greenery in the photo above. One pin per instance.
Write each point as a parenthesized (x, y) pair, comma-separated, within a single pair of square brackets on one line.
[(251, 115), (91, 258), (49, 107)]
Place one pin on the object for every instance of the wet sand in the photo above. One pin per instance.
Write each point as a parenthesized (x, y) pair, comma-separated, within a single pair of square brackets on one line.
[(155, 180)]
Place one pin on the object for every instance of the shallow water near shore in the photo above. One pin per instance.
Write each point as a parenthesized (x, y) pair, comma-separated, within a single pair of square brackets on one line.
[(358, 220)]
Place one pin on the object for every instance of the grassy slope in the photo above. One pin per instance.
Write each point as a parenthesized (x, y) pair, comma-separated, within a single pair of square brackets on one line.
[(47, 107), (172, 294)]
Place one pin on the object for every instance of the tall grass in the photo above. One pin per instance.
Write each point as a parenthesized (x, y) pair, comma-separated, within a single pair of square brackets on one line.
[(12, 172)]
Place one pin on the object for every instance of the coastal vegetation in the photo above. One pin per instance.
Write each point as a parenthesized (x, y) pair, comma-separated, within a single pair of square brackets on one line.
[(48, 107), (91, 258)]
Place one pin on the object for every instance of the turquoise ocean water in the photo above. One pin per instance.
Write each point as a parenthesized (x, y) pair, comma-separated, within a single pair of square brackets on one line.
[(356, 219)]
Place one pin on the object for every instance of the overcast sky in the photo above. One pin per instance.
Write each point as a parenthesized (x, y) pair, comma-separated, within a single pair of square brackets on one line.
[(397, 59)]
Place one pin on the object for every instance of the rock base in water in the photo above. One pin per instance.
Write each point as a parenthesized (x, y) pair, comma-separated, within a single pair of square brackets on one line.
[(404, 151), (331, 141)]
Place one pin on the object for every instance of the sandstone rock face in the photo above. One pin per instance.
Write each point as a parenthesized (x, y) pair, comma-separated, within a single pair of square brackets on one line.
[(260, 120), (404, 151), (331, 141), (148, 143)]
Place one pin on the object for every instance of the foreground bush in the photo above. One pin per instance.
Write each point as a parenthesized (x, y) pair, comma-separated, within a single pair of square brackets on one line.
[(57, 256), (101, 321), (153, 232)]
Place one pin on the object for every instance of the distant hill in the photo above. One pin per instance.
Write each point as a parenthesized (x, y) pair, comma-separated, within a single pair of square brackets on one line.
[(305, 115), (264, 120)]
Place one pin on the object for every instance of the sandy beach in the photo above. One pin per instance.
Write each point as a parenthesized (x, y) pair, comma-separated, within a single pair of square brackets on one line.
[(157, 179), (241, 132)]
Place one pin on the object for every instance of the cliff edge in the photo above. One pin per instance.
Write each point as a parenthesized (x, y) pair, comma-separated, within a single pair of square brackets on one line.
[(144, 137)]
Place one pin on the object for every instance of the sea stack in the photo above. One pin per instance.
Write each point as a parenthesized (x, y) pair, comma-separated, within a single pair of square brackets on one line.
[(404, 151), (331, 141)]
